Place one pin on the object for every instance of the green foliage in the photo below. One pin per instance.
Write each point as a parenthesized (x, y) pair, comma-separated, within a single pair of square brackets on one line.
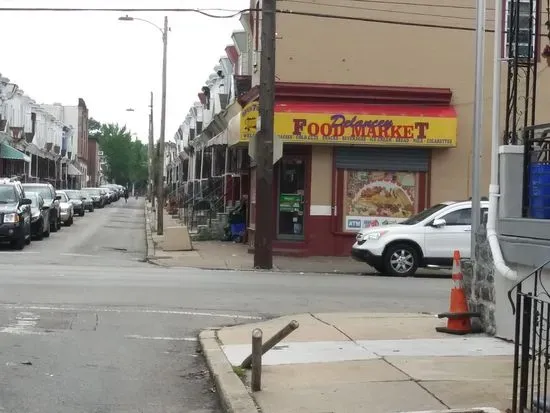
[(126, 158)]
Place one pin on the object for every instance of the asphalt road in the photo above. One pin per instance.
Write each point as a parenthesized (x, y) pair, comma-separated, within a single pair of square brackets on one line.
[(86, 326)]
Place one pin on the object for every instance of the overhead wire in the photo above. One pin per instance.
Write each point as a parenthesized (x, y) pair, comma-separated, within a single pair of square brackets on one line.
[(415, 13), (395, 2)]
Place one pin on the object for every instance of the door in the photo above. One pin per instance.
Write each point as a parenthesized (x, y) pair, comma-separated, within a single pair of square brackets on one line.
[(291, 199), (454, 235)]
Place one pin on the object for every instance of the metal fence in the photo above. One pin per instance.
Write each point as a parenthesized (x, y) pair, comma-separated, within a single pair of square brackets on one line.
[(531, 308)]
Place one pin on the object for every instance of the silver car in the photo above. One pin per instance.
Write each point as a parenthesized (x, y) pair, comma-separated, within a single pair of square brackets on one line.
[(67, 210)]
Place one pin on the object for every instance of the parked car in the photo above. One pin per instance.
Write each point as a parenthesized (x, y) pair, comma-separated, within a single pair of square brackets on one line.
[(76, 198), (15, 214), (47, 191), (99, 196), (87, 200), (425, 239), (111, 195), (67, 211), (40, 215)]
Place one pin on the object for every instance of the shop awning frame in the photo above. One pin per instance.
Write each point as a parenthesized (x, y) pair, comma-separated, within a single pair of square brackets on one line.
[(9, 152)]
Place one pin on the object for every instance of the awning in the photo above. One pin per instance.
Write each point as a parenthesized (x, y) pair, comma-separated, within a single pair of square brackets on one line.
[(73, 171), (234, 130), (358, 124), (9, 152), (219, 139)]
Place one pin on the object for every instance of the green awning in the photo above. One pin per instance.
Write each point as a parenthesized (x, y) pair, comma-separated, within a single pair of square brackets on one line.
[(9, 152)]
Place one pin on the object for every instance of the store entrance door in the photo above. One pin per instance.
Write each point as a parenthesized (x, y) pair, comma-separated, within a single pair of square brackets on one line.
[(291, 199)]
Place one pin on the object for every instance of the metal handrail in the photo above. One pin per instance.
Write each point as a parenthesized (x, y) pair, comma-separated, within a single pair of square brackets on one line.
[(517, 284)]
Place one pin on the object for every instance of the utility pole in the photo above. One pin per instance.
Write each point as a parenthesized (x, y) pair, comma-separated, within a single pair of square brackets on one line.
[(478, 126), (150, 146), (263, 237), (160, 188)]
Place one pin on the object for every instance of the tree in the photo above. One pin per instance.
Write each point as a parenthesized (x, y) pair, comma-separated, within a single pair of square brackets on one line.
[(126, 160)]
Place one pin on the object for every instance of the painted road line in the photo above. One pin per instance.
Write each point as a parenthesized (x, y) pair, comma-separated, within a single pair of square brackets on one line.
[(124, 310), (68, 254), (138, 337), (25, 323)]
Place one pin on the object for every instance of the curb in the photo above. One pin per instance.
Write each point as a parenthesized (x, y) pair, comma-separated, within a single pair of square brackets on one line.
[(233, 394), (472, 410), (150, 245)]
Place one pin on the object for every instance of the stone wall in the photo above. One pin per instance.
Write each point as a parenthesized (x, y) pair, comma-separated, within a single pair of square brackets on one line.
[(479, 286)]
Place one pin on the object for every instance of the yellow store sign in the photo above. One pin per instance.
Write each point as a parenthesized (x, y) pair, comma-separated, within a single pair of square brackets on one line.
[(436, 127)]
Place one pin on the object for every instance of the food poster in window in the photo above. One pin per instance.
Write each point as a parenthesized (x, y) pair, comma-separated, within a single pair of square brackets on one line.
[(374, 198)]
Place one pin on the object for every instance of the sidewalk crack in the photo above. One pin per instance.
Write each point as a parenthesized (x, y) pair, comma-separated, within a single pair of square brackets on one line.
[(336, 328), (418, 383)]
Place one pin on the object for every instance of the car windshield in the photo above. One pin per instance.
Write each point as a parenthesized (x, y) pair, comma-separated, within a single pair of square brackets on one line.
[(73, 194), (44, 191), (421, 216), (63, 196), (93, 191), (7, 194)]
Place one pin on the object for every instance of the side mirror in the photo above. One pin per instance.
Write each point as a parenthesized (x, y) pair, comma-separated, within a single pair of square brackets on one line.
[(439, 223), (26, 201), (83, 198), (58, 197)]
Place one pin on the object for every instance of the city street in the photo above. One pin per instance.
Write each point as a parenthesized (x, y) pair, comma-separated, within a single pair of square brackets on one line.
[(87, 326)]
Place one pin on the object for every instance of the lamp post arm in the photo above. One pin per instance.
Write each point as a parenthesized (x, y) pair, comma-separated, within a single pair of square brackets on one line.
[(152, 24)]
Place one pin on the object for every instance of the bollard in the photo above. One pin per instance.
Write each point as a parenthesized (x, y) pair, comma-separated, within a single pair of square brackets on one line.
[(256, 381), (272, 342)]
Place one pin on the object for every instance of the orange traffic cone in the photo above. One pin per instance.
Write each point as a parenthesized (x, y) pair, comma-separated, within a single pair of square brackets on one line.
[(458, 316)]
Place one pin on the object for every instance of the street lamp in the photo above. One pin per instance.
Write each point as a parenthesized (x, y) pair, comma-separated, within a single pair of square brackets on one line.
[(160, 181)]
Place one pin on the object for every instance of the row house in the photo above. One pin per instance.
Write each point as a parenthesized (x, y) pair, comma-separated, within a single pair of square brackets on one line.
[(212, 166), (77, 148), (38, 141)]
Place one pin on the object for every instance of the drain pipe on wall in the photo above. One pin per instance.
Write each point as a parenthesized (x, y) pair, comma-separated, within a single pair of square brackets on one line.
[(494, 189)]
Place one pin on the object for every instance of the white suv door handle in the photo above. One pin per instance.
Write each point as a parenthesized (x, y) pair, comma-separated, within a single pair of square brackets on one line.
[(468, 230)]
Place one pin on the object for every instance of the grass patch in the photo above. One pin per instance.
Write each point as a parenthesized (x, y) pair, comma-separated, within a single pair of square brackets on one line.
[(239, 371)]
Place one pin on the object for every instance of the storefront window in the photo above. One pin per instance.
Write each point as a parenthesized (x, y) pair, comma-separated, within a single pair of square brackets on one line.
[(375, 198)]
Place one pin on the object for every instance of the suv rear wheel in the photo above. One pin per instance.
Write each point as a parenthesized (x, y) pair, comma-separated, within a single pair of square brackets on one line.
[(401, 260)]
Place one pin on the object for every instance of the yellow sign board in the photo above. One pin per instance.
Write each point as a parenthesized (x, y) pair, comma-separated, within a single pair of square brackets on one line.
[(249, 120), (435, 127)]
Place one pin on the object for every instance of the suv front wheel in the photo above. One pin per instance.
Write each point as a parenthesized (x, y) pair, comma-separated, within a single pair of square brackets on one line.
[(401, 260)]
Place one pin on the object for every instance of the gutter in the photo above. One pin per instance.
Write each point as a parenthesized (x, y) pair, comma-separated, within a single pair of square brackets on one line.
[(494, 189)]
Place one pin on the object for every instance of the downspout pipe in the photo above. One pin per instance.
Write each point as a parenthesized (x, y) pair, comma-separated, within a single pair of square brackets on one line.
[(494, 189)]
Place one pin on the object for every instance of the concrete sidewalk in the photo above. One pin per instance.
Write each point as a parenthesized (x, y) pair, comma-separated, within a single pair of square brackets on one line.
[(362, 363), (219, 255)]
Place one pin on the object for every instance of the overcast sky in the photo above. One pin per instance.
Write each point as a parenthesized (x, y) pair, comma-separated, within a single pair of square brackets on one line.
[(114, 65)]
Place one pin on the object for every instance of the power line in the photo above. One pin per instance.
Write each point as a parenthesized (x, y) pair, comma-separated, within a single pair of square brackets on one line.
[(398, 3), (204, 12), (445, 16)]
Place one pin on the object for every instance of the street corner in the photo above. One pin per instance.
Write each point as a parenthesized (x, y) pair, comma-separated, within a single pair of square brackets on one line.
[(233, 394)]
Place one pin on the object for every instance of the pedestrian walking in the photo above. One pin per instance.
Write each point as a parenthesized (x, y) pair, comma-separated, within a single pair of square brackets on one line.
[(126, 194)]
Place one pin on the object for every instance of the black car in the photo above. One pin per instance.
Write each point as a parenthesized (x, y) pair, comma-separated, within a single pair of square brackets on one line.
[(47, 191), (40, 218), (99, 196), (76, 198), (15, 214)]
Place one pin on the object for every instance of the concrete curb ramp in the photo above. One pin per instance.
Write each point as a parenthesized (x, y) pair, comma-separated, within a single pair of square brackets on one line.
[(233, 394), (235, 397)]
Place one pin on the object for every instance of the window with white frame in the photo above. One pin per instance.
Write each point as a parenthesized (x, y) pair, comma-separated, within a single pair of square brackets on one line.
[(527, 23)]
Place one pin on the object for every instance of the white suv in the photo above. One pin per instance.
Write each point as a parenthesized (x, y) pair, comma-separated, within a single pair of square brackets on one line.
[(425, 239)]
